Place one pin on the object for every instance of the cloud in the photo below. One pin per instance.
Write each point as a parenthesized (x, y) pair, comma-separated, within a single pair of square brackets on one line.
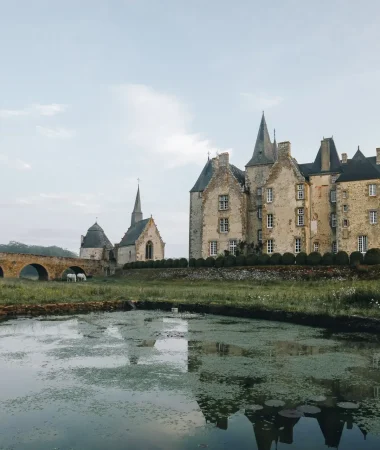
[(260, 101), (160, 125), (55, 133), (34, 110), (16, 163)]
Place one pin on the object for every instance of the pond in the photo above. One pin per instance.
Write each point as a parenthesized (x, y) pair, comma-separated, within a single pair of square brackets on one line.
[(154, 380)]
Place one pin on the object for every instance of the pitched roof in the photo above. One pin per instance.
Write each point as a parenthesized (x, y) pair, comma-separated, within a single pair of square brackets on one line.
[(133, 233), (204, 178), (238, 174), (335, 164), (137, 208), (96, 238), (360, 168), (264, 152)]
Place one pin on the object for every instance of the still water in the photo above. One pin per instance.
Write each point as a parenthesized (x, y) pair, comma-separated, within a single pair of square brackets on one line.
[(150, 380)]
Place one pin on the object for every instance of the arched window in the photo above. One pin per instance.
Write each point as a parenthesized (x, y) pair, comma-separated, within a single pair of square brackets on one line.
[(149, 250)]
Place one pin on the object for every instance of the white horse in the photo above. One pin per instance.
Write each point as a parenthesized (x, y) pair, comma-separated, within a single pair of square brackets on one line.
[(81, 277), (71, 277)]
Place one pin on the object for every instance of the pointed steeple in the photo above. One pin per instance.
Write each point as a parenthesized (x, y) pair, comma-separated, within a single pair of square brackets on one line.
[(264, 152), (137, 214)]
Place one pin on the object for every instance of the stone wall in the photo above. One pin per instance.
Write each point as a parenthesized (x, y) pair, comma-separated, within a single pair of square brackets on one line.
[(126, 255), (91, 253), (152, 234), (359, 205), (195, 225)]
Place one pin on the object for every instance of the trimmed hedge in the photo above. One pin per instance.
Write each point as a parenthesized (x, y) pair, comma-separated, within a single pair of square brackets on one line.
[(342, 259), (183, 263), (372, 256), (210, 262), (219, 262), (288, 259), (241, 260), (275, 259), (328, 259), (252, 260), (263, 259), (192, 262), (356, 258), (230, 261), (168, 263), (200, 262), (314, 258), (301, 259)]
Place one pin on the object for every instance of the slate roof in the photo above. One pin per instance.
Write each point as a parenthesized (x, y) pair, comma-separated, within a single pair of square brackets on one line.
[(360, 168), (335, 164), (137, 208), (96, 238), (264, 152), (133, 233), (238, 174)]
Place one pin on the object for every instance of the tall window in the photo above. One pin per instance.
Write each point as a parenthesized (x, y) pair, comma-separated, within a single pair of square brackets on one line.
[(149, 250), (269, 195), (345, 208), (223, 225), (344, 194), (345, 223), (333, 220), (373, 217), (300, 217), (333, 178), (270, 246), (223, 202), (297, 246), (270, 221), (259, 235), (334, 247), (233, 245), (213, 248), (333, 196), (259, 192), (362, 244), (372, 190), (260, 212), (316, 246), (300, 192)]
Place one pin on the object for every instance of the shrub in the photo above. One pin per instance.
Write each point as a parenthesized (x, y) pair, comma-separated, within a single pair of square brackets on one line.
[(328, 259), (263, 259), (241, 260), (301, 259), (275, 259), (313, 259), (252, 260), (219, 262), (169, 263), (157, 264), (372, 256), (288, 259), (176, 263), (342, 259), (356, 258), (210, 262), (183, 262), (140, 264), (192, 262), (230, 261), (127, 266), (200, 262), (149, 264)]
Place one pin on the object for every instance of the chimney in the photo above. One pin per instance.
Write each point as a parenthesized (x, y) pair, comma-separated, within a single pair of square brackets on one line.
[(378, 156), (344, 158), (224, 159), (325, 155), (284, 150), (215, 163)]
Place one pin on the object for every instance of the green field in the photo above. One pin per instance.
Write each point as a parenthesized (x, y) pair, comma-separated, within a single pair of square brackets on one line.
[(330, 297)]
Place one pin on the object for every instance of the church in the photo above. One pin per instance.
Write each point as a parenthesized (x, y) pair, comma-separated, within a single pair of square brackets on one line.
[(277, 205), (141, 242)]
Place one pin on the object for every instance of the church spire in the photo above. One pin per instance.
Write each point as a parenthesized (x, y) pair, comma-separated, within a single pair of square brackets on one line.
[(137, 215), (264, 152)]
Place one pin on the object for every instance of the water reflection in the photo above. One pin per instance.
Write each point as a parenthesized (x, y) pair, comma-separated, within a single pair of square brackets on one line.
[(183, 381)]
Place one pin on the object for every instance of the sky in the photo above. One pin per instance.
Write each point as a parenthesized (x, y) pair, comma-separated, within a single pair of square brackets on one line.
[(96, 94)]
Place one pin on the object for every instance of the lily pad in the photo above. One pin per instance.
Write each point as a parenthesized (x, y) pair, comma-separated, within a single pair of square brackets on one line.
[(275, 403), (309, 409), (348, 405), (255, 407), (318, 398), (291, 413)]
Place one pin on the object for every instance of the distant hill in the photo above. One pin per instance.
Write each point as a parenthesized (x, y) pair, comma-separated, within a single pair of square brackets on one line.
[(18, 247)]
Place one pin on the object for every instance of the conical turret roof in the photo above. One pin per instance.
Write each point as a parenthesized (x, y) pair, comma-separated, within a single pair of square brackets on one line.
[(96, 238), (264, 151), (204, 178)]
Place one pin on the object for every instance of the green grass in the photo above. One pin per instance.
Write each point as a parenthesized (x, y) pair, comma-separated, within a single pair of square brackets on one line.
[(314, 297)]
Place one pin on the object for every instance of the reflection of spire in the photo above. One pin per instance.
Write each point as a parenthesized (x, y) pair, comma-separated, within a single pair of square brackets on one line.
[(331, 426)]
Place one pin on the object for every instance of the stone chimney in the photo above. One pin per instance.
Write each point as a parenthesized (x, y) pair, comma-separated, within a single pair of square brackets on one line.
[(325, 155), (378, 156), (215, 163), (344, 158), (224, 159), (284, 150)]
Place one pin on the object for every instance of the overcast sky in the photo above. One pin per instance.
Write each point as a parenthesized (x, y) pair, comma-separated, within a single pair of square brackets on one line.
[(97, 93)]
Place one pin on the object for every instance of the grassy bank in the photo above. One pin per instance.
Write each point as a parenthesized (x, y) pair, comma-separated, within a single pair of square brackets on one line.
[(331, 297)]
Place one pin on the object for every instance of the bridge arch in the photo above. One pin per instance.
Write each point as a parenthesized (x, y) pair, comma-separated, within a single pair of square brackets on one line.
[(1, 272), (72, 269), (41, 271)]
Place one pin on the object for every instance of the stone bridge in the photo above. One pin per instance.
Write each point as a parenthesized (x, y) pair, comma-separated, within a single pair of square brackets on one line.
[(49, 267)]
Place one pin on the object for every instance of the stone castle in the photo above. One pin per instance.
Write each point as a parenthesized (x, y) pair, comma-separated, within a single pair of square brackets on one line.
[(141, 242), (281, 206)]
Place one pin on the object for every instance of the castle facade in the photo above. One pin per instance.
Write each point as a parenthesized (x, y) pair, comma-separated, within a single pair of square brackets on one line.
[(281, 206)]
